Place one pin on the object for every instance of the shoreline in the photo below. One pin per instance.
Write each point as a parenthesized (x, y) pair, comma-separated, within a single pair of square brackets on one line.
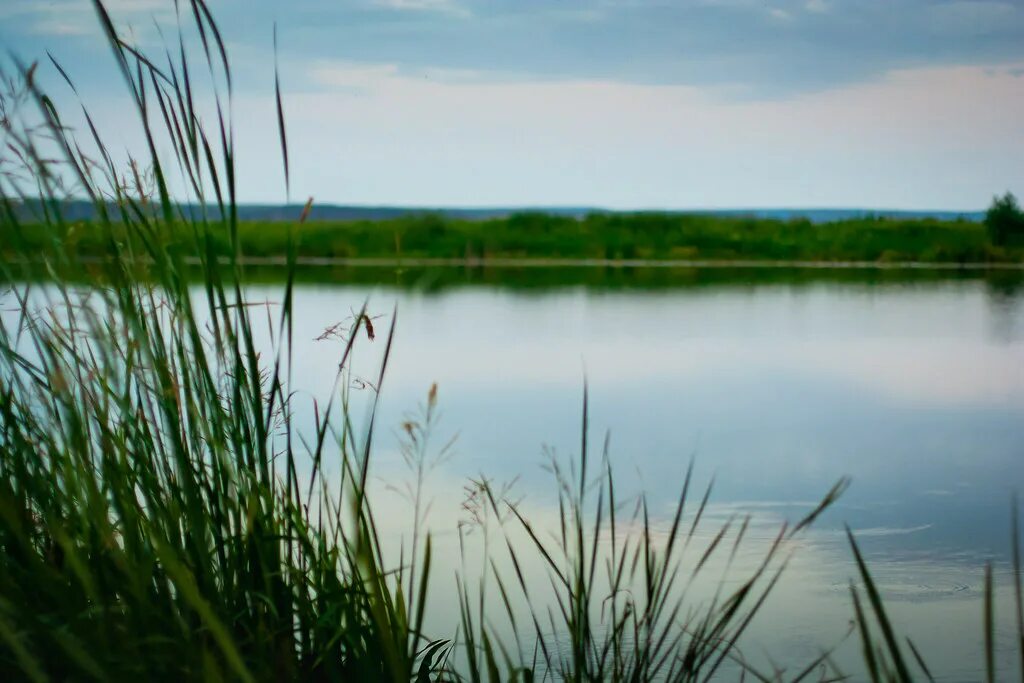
[(502, 262)]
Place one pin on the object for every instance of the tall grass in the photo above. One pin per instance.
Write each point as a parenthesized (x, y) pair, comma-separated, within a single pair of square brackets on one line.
[(619, 586), (154, 524)]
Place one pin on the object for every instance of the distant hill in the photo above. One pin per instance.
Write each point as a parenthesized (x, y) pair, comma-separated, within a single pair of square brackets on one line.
[(830, 215), (79, 210)]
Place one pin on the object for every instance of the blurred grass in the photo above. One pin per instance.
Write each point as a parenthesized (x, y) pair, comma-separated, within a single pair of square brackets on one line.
[(152, 521)]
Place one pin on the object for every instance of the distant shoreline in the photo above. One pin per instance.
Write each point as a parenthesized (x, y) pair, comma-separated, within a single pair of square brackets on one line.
[(597, 241), (499, 262), (541, 263)]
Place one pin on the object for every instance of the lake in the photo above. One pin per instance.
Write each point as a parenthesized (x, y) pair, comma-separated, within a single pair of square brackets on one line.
[(915, 390), (775, 388)]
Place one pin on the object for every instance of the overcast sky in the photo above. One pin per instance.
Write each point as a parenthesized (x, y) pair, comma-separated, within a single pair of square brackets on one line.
[(913, 104)]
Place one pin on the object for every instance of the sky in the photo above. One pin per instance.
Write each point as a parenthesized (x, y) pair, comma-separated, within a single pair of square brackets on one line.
[(628, 104)]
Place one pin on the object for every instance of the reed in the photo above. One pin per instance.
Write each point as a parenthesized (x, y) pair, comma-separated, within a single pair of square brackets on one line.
[(152, 522)]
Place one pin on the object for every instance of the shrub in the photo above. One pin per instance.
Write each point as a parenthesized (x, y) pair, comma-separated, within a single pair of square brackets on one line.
[(1005, 220)]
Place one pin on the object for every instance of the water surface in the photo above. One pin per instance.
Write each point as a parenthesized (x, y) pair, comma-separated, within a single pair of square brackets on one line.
[(914, 390), (775, 388)]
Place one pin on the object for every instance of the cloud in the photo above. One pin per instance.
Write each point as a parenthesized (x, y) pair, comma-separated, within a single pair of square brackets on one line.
[(972, 17), (363, 78), (351, 77), (64, 18), (891, 531), (58, 27), (423, 137), (446, 6), (753, 47)]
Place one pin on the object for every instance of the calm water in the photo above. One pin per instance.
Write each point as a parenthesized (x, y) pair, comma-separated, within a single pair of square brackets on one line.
[(915, 391)]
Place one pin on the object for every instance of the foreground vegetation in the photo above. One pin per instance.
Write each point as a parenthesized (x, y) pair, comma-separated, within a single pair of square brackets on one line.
[(164, 513)]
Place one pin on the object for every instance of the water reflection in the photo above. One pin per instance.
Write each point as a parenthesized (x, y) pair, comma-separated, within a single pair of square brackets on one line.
[(916, 390), (779, 391), (933, 594), (1005, 291)]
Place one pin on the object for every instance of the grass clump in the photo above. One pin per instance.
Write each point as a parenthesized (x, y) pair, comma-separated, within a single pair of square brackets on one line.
[(153, 524)]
